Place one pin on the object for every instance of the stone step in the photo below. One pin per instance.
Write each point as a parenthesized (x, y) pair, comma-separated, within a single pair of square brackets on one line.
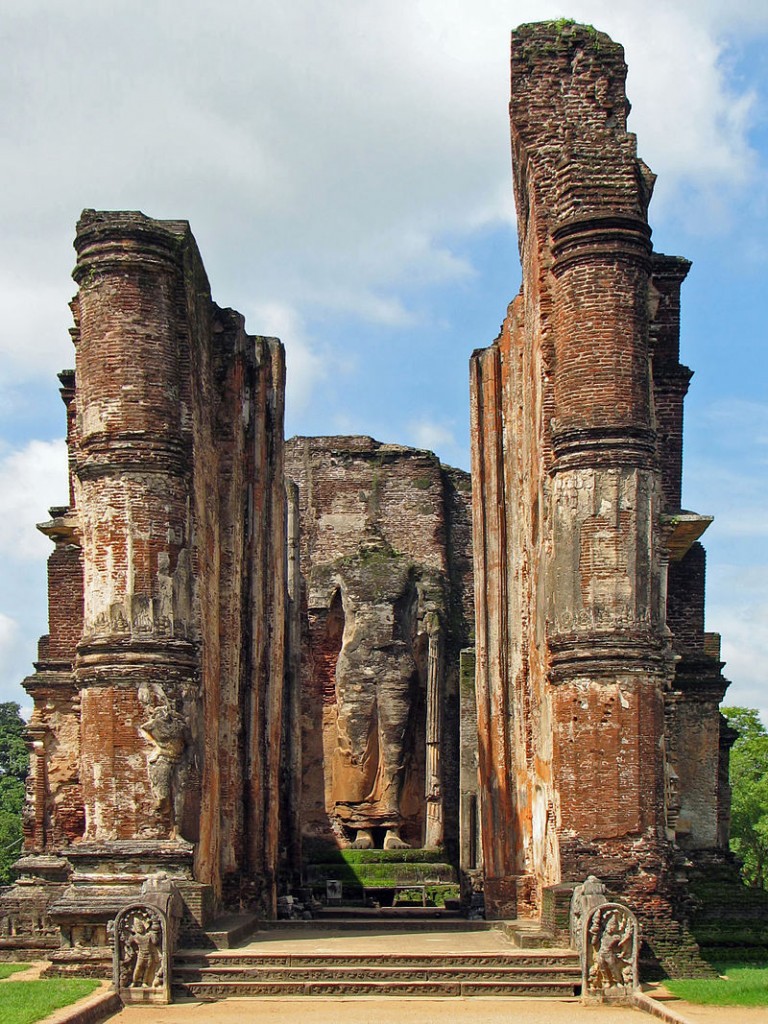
[(401, 912), (251, 971), (339, 973), (528, 935), (552, 960), (214, 990), (417, 919)]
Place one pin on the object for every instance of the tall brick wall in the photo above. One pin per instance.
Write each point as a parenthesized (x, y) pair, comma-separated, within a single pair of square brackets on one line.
[(386, 581), (55, 814), (159, 691), (576, 467)]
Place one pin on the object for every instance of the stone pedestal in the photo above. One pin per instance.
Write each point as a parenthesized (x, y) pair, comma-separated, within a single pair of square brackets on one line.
[(104, 879)]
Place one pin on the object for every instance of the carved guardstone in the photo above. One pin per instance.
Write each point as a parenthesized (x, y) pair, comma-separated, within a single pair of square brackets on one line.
[(586, 896), (144, 940), (609, 954)]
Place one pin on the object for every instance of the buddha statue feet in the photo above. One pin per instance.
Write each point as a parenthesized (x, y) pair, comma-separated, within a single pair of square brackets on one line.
[(363, 840), (392, 840)]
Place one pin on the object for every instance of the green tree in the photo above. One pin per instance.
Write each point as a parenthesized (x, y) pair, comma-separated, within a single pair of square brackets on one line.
[(749, 784), (14, 764)]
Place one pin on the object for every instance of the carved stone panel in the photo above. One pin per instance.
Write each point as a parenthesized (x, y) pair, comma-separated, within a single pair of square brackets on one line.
[(609, 953), (586, 896), (144, 940)]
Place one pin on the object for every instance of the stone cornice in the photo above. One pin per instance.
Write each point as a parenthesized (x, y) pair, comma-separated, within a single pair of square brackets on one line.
[(610, 654), (115, 661), (600, 236), (109, 242), (585, 447), (122, 452)]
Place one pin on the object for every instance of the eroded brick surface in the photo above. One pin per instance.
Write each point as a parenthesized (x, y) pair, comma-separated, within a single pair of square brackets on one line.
[(158, 696), (587, 727), (385, 556)]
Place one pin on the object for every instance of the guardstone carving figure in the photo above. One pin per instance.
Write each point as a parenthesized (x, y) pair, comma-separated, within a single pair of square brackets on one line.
[(140, 947), (610, 952), (144, 937)]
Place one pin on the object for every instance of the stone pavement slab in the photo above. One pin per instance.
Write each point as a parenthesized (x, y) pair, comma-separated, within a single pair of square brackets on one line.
[(283, 941), (380, 1011), (423, 1011)]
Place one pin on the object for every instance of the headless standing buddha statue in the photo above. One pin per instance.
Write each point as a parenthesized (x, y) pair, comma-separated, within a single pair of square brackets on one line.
[(377, 681)]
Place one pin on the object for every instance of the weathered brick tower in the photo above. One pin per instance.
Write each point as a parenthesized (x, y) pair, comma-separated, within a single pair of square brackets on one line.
[(158, 693), (592, 662)]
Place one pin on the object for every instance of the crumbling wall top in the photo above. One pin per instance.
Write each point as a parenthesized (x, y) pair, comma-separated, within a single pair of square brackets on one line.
[(568, 114), (105, 238)]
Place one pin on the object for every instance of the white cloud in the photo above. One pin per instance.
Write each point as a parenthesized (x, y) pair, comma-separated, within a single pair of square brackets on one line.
[(743, 625), (36, 321), (431, 435), (438, 436), (32, 478), (13, 665), (325, 152), (305, 365), (9, 632)]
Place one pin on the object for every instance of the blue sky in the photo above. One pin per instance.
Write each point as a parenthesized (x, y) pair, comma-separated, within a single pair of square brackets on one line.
[(345, 169)]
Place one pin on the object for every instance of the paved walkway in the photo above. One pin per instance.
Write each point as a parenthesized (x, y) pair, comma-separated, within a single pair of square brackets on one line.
[(338, 941), (302, 1010)]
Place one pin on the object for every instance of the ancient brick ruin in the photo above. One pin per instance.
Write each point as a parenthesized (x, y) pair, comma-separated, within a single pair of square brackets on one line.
[(386, 566), (597, 685), (260, 648), (158, 692)]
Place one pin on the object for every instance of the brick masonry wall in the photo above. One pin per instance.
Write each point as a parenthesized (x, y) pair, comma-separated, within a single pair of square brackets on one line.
[(167, 583), (685, 600), (577, 452), (384, 548), (670, 377)]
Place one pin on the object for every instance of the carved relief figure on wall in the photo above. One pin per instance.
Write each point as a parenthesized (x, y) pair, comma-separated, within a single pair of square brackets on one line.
[(612, 939), (167, 732), (141, 950)]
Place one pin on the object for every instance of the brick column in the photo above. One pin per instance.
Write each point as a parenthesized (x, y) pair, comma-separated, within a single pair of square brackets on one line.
[(608, 647), (136, 662), (670, 377)]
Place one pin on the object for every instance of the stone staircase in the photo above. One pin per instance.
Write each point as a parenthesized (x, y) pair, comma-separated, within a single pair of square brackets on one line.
[(315, 969), (382, 920)]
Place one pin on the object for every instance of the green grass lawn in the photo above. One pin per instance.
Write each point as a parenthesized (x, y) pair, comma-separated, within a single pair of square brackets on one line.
[(742, 985), (6, 970), (24, 1002)]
